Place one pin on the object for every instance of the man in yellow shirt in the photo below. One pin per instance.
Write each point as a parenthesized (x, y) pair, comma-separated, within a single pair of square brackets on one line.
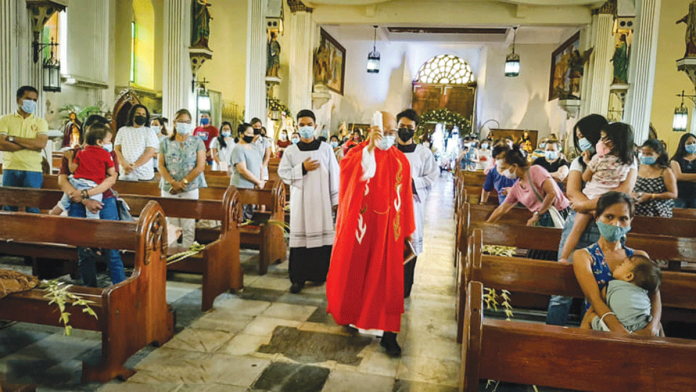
[(22, 137)]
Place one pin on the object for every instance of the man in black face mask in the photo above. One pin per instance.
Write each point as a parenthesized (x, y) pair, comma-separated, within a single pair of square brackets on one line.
[(262, 145), (424, 172)]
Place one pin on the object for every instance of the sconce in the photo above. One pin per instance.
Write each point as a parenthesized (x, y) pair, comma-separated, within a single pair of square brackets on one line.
[(41, 11)]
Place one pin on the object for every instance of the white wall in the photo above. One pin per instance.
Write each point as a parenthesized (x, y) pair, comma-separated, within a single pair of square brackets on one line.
[(521, 102)]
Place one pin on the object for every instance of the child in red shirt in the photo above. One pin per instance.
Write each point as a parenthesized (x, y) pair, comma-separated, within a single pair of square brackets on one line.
[(91, 166)]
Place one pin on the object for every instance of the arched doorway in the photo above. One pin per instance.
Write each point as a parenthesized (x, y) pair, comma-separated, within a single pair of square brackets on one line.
[(445, 82)]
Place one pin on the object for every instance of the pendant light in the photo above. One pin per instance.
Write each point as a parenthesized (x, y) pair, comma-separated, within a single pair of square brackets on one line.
[(373, 57), (51, 72), (512, 61), (681, 116)]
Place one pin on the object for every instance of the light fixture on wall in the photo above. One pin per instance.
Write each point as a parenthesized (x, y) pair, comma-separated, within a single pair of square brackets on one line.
[(373, 57), (681, 114), (51, 72), (202, 99), (512, 61)]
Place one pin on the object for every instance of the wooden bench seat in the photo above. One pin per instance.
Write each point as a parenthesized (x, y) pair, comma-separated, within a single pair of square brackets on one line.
[(131, 314), (219, 263), (535, 354)]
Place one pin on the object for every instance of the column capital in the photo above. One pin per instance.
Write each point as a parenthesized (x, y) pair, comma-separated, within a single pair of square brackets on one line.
[(609, 7), (298, 5)]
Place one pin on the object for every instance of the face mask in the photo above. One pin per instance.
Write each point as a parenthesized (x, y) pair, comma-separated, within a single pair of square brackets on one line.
[(226, 134), (108, 147), (690, 148), (257, 131), (406, 134), (484, 145), (156, 129), (551, 155), (356, 138), (140, 120), (584, 144), (612, 233), (602, 149), (334, 144), (306, 132), (248, 139), (205, 121), (183, 128), (295, 140), (542, 145), (510, 174), (28, 106), (647, 160), (283, 137), (386, 142)]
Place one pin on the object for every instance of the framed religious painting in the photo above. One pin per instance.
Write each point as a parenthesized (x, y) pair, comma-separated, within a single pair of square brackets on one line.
[(567, 65), (330, 63)]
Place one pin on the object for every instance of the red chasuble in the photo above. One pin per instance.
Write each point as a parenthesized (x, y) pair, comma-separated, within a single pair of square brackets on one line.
[(365, 285)]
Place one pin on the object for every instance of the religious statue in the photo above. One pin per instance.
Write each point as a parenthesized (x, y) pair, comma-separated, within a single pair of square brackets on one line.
[(273, 56), (201, 24), (576, 70), (690, 21), (72, 131), (620, 60)]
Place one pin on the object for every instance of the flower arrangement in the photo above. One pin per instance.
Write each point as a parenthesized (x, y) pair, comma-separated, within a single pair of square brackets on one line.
[(275, 105), (444, 116)]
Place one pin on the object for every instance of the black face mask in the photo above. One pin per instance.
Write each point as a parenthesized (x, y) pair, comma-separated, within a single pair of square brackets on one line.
[(257, 131), (406, 134), (140, 120), (248, 139)]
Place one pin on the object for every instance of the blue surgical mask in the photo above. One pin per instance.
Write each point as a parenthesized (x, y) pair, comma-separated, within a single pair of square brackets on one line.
[(542, 145), (183, 128), (551, 155), (612, 233), (690, 148), (28, 106), (484, 145), (584, 144), (647, 160), (156, 129), (334, 144), (226, 134), (205, 121), (306, 132), (295, 140), (386, 142), (108, 147)]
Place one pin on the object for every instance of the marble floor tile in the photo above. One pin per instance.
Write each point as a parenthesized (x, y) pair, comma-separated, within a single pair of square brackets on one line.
[(59, 347), (243, 307), (289, 377), (243, 344), (289, 312), (271, 283), (415, 346), (429, 370), (374, 362), (340, 381), (176, 290), (201, 340), (222, 320), (264, 326)]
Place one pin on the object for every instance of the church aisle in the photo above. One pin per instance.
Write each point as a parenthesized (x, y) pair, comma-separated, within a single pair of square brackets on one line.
[(266, 339)]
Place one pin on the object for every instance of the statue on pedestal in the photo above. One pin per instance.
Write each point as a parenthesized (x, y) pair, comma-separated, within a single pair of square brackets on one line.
[(72, 132), (200, 33), (690, 21), (620, 60), (273, 56)]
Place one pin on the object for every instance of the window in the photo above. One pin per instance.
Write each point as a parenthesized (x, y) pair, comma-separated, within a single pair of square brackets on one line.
[(132, 59), (445, 69), (51, 33)]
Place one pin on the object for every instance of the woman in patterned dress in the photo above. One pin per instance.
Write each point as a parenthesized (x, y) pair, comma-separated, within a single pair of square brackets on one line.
[(656, 187), (595, 264)]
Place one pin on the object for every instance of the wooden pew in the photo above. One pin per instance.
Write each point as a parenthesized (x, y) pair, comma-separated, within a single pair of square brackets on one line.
[(532, 354), (131, 314), (684, 213), (219, 263)]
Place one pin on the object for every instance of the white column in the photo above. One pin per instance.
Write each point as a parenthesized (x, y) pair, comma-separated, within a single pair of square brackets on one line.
[(256, 61), (300, 60), (641, 69), (8, 69), (602, 76), (176, 86), (28, 72)]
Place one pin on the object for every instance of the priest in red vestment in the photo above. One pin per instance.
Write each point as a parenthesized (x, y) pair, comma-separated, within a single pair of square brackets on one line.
[(365, 284)]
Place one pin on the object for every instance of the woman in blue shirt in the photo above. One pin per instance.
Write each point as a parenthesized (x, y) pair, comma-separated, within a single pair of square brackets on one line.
[(495, 180)]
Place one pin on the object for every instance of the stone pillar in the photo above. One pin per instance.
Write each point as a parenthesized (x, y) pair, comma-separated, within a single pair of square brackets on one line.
[(176, 75), (641, 69), (256, 61), (300, 59), (597, 101), (8, 67)]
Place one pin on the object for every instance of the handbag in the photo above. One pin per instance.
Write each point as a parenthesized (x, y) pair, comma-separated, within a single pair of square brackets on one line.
[(556, 218), (123, 209)]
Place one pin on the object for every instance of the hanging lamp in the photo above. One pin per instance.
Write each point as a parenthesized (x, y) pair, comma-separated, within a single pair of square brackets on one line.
[(512, 61), (681, 116), (373, 57)]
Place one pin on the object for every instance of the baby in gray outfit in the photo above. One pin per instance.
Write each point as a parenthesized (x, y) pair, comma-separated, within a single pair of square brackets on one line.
[(627, 295)]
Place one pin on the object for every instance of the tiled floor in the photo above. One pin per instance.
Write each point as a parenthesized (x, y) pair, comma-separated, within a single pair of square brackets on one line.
[(266, 339)]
